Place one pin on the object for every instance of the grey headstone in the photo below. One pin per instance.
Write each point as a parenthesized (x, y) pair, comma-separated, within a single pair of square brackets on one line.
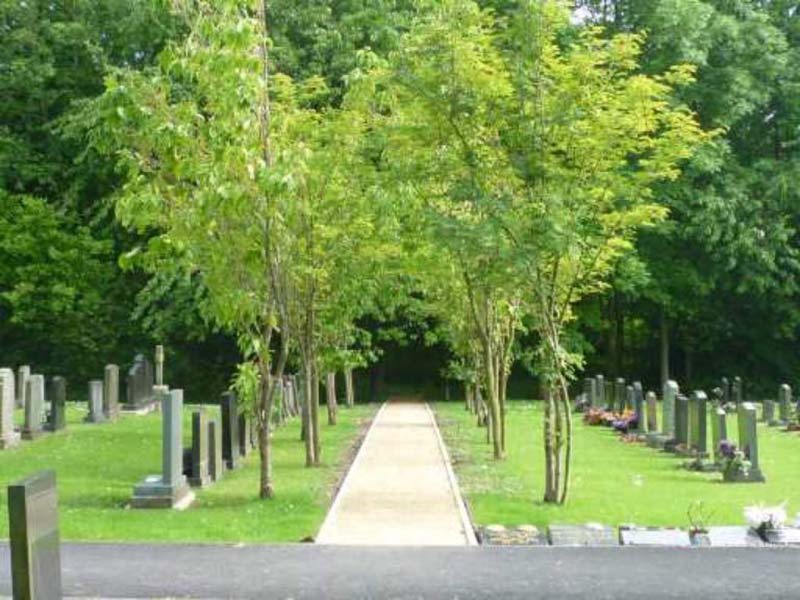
[(111, 392), (8, 437), (600, 390), (769, 412), (582, 535), (682, 420), (719, 430), (140, 384), (34, 407), (670, 394), (57, 419), (654, 537), (95, 414), (748, 438), (170, 489), (638, 405), (784, 403), (609, 395), (700, 423), (652, 412), (216, 465), (22, 384), (34, 537), (159, 365), (230, 429), (200, 445)]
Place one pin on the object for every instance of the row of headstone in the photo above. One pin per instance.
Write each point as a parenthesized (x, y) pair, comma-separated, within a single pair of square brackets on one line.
[(104, 397), (37, 418)]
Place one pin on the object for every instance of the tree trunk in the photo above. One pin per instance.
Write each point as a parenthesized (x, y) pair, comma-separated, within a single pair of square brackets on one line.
[(330, 388), (490, 373), (348, 384), (550, 458), (468, 402), (308, 397)]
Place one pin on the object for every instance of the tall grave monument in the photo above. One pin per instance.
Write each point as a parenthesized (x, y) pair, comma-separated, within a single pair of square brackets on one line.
[(8, 437)]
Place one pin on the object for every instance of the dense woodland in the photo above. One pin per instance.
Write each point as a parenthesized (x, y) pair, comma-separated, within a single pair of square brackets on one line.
[(514, 190)]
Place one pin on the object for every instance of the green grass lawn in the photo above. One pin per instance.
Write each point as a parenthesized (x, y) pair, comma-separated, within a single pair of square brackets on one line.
[(613, 482), (98, 465)]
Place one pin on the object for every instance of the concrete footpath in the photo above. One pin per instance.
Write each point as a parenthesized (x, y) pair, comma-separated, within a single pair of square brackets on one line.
[(315, 572), (400, 489)]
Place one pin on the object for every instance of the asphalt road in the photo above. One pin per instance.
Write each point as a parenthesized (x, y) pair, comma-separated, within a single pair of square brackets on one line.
[(332, 572)]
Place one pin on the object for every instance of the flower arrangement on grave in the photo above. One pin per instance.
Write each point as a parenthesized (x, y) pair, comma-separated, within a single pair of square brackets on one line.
[(626, 421), (735, 463), (765, 518), (597, 416)]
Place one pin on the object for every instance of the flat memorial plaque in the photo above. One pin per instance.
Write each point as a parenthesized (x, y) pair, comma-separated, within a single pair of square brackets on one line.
[(786, 536), (582, 535), (655, 537), (733, 537)]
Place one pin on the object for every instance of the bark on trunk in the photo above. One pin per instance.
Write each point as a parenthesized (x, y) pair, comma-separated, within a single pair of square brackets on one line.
[(348, 383), (314, 412)]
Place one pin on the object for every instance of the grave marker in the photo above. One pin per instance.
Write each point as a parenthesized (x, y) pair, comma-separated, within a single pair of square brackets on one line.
[(34, 407), (748, 439), (620, 391), (636, 394), (784, 404), (8, 437), (200, 449), (230, 429), (682, 420), (139, 388), (34, 537), (719, 430), (671, 391), (170, 489), (600, 390), (768, 415), (111, 392), (95, 402), (22, 384), (589, 391), (652, 412), (700, 423), (57, 419), (216, 465)]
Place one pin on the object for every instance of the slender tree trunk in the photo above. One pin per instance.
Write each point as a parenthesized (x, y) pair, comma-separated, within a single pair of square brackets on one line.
[(490, 373), (550, 457), (266, 489), (330, 388), (503, 390), (468, 402), (308, 398)]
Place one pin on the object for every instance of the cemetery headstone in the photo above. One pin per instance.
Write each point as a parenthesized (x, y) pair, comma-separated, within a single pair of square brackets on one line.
[(636, 394), (216, 465), (725, 386), (34, 407), (784, 403), (620, 391), (34, 537), (8, 437), (159, 365), (170, 489), (748, 440), (57, 419), (652, 412), (230, 429), (719, 430), (670, 394), (95, 414), (682, 420), (200, 444), (139, 384), (22, 384), (600, 390), (609, 395), (769, 412), (694, 422), (699, 441), (111, 392)]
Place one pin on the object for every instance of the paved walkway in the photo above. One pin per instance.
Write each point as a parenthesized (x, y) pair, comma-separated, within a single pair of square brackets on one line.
[(312, 572), (400, 489)]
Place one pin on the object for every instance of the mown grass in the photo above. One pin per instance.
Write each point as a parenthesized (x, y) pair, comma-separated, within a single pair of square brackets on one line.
[(98, 465), (613, 482)]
